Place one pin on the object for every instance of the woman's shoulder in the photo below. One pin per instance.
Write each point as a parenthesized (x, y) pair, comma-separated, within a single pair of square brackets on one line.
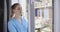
[(10, 21)]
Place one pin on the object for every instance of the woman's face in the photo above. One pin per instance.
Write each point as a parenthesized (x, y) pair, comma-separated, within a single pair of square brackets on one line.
[(18, 9)]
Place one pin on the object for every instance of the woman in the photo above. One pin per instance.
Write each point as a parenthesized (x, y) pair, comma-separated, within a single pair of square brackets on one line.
[(17, 23)]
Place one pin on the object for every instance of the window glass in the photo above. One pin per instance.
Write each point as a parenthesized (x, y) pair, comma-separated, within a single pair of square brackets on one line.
[(43, 20)]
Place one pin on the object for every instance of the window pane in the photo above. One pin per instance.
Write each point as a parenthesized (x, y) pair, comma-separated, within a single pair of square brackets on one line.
[(43, 20)]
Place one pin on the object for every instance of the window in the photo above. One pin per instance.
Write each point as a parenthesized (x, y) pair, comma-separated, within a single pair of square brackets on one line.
[(43, 21)]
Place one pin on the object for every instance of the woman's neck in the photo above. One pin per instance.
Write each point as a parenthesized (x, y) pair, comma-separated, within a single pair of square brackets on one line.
[(17, 16)]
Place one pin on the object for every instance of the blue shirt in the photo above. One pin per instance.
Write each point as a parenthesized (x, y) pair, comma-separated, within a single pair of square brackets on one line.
[(15, 26)]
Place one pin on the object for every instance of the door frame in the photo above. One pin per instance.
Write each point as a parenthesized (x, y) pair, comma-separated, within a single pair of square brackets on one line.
[(5, 17)]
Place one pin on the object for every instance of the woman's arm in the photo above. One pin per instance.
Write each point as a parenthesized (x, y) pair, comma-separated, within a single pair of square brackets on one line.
[(11, 28)]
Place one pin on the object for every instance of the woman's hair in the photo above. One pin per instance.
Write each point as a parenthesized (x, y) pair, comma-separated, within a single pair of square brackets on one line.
[(13, 7)]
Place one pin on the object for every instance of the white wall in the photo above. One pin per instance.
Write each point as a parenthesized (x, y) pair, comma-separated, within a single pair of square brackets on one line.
[(14, 1)]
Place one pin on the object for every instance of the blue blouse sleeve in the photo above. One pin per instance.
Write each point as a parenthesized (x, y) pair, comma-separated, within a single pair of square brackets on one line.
[(11, 27)]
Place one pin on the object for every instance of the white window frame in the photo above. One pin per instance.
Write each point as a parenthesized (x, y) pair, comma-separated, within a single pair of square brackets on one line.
[(31, 14), (56, 16)]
